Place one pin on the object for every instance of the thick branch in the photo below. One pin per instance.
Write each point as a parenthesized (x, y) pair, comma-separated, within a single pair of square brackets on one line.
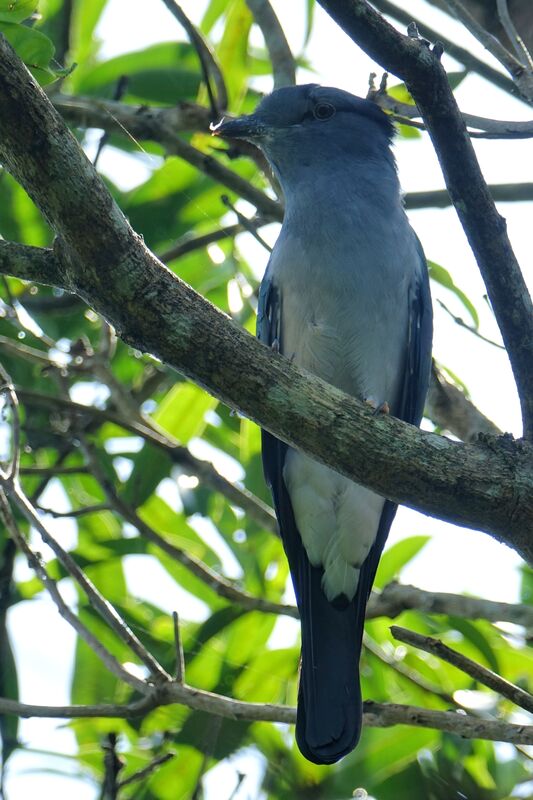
[(426, 79), (488, 486)]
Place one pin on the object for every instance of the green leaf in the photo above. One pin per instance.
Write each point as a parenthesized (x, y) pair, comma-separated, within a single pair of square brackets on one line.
[(214, 11), (396, 557), (163, 73), (85, 17), (232, 51), (182, 412), (526, 585), (17, 10), (309, 12), (408, 131), (33, 47), (456, 78), (401, 93), (442, 276)]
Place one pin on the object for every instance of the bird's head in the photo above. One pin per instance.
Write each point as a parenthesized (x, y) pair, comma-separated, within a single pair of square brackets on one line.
[(303, 126)]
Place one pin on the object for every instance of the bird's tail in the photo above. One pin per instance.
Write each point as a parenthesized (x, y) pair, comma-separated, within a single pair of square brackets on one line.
[(328, 723)]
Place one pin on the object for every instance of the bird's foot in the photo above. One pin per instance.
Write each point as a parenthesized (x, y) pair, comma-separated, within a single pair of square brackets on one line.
[(377, 408)]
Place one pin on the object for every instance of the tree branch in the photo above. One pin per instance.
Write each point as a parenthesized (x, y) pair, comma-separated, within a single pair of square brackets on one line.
[(476, 671), (161, 125), (461, 54), (283, 67), (513, 66), (440, 198), (420, 68), (496, 127), (449, 408), (30, 263), (376, 715), (488, 486), (35, 562), (396, 598)]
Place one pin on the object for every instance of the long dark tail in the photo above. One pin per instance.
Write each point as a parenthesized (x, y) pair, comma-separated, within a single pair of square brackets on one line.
[(328, 723), (330, 709)]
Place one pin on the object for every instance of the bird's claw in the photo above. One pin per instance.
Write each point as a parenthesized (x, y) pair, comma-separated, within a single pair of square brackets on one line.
[(381, 408)]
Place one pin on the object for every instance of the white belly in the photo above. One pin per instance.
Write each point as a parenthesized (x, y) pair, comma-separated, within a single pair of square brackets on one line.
[(355, 346), (337, 520)]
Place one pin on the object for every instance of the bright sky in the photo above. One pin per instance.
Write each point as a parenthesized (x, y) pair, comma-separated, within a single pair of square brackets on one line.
[(455, 560)]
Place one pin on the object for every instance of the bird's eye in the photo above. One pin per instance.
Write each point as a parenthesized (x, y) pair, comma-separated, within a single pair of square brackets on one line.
[(323, 110)]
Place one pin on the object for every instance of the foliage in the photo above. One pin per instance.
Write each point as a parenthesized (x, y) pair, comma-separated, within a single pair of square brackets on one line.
[(53, 345)]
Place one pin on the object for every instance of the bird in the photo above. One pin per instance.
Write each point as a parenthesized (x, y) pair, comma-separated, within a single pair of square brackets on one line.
[(345, 296)]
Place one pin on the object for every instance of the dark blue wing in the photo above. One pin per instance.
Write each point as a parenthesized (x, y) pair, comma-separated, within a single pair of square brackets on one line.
[(418, 358)]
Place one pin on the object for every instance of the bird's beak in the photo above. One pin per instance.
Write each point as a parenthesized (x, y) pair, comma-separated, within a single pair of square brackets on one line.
[(249, 127)]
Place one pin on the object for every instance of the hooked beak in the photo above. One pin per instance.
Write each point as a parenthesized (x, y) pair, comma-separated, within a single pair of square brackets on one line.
[(248, 127)]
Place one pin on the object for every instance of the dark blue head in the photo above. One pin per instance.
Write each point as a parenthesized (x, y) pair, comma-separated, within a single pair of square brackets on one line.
[(304, 126)]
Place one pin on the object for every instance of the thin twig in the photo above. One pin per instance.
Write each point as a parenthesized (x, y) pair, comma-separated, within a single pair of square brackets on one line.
[(7, 388), (188, 243), (75, 512), (489, 42), (514, 37), (247, 224), (375, 714), (112, 766), (476, 671), (214, 169), (53, 470), (207, 58), (99, 603), (180, 455), (217, 583), (440, 198), (146, 771), (448, 407), (283, 66), (462, 324), (406, 672), (396, 598), (500, 128), (50, 584), (180, 658)]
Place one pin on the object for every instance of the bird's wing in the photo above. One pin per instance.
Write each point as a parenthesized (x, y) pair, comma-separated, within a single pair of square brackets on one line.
[(329, 704), (418, 357)]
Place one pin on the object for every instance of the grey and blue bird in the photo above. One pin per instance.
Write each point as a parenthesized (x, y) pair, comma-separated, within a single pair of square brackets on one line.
[(346, 296)]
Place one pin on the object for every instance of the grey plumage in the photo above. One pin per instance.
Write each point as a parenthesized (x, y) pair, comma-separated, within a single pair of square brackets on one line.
[(346, 296)]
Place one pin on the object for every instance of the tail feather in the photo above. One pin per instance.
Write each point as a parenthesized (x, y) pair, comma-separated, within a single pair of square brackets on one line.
[(329, 716), (328, 723)]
